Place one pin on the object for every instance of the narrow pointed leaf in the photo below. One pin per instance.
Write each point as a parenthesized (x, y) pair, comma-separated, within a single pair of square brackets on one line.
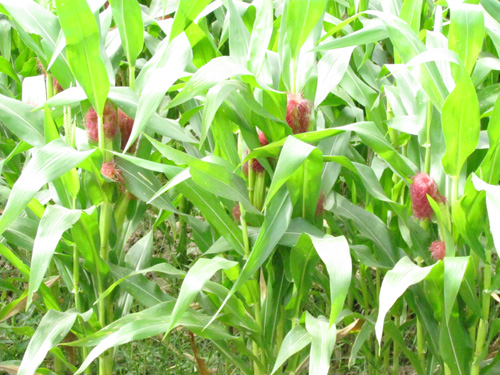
[(169, 67), (217, 70), (295, 340), (292, 156), (83, 50), (51, 331), (323, 338), (194, 281), (334, 252), (275, 224), (460, 119), (128, 17), (396, 281), (454, 271), (55, 221), (301, 18), (466, 33)]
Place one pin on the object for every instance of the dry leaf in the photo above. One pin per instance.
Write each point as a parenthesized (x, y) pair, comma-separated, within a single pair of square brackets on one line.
[(21, 305)]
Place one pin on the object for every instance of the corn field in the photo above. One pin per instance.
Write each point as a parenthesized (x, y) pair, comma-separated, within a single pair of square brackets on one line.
[(263, 186)]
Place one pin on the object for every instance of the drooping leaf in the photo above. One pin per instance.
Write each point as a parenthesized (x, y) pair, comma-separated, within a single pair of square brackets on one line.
[(196, 277), (334, 252), (20, 120), (55, 221), (275, 223), (47, 164), (396, 281), (215, 71), (292, 156)]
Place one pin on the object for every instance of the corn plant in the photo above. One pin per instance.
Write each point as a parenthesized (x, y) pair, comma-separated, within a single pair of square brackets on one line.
[(333, 164)]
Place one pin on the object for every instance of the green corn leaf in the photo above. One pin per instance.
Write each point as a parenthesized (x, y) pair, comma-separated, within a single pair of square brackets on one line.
[(215, 97), (331, 69), (35, 19), (369, 225), (186, 12), (169, 67), (83, 50), (292, 157), (150, 322), (396, 281), (466, 33), (454, 272), (6, 68), (493, 206), (456, 346), (194, 281), (372, 32), (143, 184), (128, 17), (303, 261), (411, 12), (55, 221), (143, 290), (261, 35), (47, 164), (20, 120), (216, 178), (239, 37), (275, 223), (460, 119), (323, 336), (301, 18), (51, 331), (217, 70), (128, 101), (295, 340), (334, 252), (408, 45)]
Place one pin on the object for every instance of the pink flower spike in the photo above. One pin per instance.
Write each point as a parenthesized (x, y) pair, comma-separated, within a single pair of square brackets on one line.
[(438, 250), (298, 113), (125, 123), (320, 207), (263, 139), (110, 171), (109, 120), (422, 186), (236, 212)]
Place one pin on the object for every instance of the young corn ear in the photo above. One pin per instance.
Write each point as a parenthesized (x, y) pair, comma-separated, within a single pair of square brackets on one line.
[(298, 113), (422, 186), (110, 171), (125, 123), (109, 119), (438, 250)]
